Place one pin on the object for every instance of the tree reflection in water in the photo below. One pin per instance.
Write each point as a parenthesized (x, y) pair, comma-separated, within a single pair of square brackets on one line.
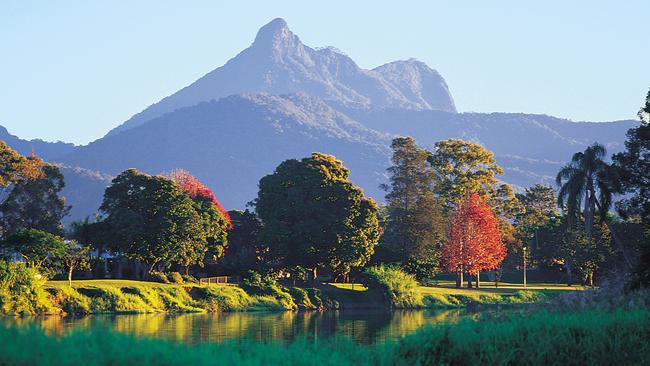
[(363, 326)]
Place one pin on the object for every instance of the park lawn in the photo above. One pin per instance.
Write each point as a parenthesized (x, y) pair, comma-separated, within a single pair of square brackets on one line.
[(113, 283)]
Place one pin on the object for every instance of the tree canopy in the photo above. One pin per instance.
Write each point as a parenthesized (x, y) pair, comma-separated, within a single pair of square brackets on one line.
[(415, 220), (313, 216), (152, 220)]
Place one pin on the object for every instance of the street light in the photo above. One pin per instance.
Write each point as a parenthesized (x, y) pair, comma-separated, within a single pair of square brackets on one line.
[(524, 248)]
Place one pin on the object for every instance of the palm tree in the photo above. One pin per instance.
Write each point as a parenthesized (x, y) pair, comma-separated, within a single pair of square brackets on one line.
[(589, 181)]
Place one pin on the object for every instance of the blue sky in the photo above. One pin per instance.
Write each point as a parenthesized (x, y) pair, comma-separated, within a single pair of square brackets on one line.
[(72, 70)]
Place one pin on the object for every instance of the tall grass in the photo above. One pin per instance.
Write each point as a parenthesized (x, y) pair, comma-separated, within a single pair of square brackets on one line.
[(589, 338)]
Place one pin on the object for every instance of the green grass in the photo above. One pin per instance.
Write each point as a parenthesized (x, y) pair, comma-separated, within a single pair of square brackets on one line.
[(587, 338), (445, 294)]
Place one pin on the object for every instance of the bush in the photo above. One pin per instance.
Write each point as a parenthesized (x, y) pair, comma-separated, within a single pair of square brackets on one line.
[(71, 301), (398, 288), (190, 279), (159, 277), (175, 277), (223, 298), (22, 292)]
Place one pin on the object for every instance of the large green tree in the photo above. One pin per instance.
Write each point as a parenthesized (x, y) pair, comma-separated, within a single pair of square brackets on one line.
[(416, 223), (634, 167), (36, 203), (152, 220), (314, 217), (590, 182), (245, 250)]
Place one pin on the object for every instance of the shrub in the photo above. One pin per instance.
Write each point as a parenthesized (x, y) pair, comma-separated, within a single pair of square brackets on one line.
[(160, 277), (190, 279), (175, 277), (71, 301), (398, 288), (22, 292), (224, 298), (301, 298)]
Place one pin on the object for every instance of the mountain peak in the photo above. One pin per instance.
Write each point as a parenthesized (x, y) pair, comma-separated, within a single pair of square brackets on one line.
[(274, 33)]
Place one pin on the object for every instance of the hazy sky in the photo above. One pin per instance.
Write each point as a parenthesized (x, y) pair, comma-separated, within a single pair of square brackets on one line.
[(72, 70)]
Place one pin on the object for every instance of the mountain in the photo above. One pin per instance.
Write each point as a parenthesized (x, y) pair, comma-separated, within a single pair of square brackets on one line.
[(233, 142), (46, 150), (278, 63)]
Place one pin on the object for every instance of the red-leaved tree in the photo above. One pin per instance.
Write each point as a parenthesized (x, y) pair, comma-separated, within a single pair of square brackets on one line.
[(473, 240), (196, 189)]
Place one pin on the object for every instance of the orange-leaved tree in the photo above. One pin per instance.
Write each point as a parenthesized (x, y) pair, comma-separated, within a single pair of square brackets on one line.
[(473, 240)]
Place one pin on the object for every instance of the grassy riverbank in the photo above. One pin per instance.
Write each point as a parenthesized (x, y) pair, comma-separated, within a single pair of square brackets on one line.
[(589, 337), (127, 296)]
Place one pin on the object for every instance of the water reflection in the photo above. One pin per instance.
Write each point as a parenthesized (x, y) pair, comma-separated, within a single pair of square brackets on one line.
[(367, 326)]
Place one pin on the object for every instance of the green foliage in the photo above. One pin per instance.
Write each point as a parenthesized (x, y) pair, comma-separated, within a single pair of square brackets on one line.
[(71, 301), (245, 251), (160, 277), (398, 288), (22, 292), (415, 221), (224, 298), (588, 338), (315, 217), (175, 277), (36, 204), (255, 284), (150, 219), (37, 247), (189, 279)]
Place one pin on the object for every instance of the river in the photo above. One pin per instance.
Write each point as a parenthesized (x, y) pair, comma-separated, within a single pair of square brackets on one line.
[(362, 326)]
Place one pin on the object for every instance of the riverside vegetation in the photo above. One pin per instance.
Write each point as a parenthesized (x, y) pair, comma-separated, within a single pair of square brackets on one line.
[(22, 292)]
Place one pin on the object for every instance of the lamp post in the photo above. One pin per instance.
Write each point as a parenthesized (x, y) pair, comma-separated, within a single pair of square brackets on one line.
[(524, 248)]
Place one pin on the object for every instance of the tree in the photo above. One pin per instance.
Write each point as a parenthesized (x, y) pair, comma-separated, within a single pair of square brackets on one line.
[(313, 216), (463, 168), (75, 257), (415, 221), (216, 220), (474, 240), (15, 168), (36, 203), (634, 167), (540, 206), (588, 180), (38, 248), (150, 219), (245, 251), (587, 254)]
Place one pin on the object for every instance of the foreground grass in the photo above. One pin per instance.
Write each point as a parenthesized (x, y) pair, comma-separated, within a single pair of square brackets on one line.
[(591, 337)]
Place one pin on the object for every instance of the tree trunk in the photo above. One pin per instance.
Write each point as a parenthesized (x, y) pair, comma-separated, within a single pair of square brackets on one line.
[(314, 274), (478, 279), (591, 279), (469, 280), (459, 279), (569, 274), (70, 276)]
